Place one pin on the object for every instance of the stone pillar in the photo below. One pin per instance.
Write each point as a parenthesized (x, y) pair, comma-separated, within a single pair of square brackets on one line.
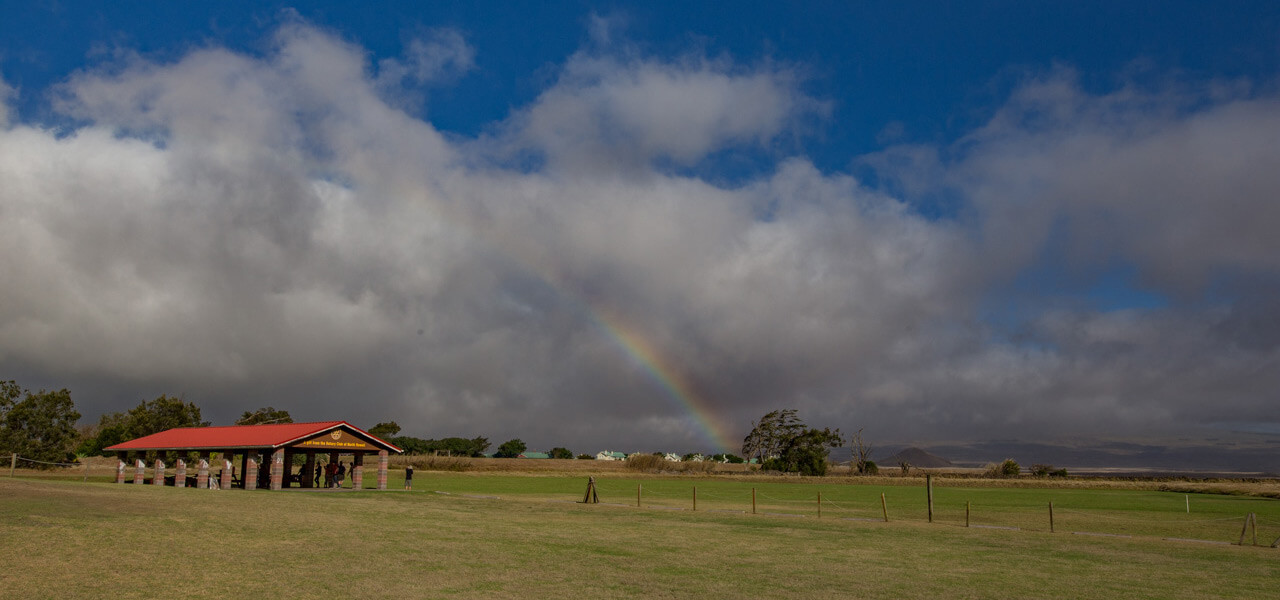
[(250, 470), (383, 459), (120, 464), (139, 471), (357, 471), (158, 478), (180, 471), (277, 468), (227, 466), (202, 474), (309, 470)]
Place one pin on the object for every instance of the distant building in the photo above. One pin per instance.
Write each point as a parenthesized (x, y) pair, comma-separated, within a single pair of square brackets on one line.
[(534, 455), (610, 455), (671, 456)]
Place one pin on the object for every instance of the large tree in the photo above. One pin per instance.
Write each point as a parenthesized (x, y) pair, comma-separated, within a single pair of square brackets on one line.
[(510, 449), (385, 430), (263, 416), (145, 419), (770, 435), (785, 443), (41, 426), (560, 453)]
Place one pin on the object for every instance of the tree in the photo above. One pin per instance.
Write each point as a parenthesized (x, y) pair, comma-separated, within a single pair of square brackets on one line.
[(264, 416), (862, 453), (560, 453), (385, 430), (510, 449), (771, 434), (42, 426), (145, 419), (787, 444)]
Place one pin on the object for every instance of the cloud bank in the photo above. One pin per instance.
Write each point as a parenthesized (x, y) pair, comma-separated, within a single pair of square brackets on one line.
[(286, 229)]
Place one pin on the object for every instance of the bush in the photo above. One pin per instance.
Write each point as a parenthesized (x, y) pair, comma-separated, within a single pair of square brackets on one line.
[(1039, 470), (645, 462), (1008, 468), (586, 457), (870, 468)]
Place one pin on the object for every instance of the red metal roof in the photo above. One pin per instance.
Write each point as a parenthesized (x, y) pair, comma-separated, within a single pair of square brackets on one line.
[(240, 436)]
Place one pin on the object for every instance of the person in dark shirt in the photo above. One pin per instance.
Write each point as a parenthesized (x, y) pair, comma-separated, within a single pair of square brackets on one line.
[(408, 477)]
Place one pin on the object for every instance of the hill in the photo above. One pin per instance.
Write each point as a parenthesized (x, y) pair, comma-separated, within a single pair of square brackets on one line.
[(916, 458)]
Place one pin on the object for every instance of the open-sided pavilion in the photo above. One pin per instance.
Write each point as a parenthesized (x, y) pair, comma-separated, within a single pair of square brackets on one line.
[(278, 443)]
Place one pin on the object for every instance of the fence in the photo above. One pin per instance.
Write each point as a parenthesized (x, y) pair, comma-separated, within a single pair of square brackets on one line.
[(1110, 513)]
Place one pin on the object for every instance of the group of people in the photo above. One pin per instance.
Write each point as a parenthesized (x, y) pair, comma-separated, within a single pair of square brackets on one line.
[(335, 473)]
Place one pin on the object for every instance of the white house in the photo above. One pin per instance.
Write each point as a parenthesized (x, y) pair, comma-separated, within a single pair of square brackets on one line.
[(609, 455)]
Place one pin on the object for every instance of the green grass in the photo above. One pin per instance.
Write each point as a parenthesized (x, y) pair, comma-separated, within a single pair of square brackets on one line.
[(66, 539)]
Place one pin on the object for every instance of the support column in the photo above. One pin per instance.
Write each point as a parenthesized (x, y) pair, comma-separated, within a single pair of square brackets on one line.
[(158, 478), (309, 470), (202, 474), (244, 470), (382, 469), (139, 471), (250, 470), (357, 471), (120, 464), (277, 468), (227, 466), (180, 471)]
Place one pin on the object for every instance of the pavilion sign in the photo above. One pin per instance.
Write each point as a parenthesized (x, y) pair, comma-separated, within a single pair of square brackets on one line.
[(336, 440)]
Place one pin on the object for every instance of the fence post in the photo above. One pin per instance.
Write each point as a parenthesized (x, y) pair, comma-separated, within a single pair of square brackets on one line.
[(928, 484), (884, 507), (966, 513), (638, 495), (753, 501), (695, 497), (1051, 516), (86, 472), (13, 464), (819, 505)]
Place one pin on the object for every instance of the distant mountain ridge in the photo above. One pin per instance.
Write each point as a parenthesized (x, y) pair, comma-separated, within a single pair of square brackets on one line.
[(915, 457)]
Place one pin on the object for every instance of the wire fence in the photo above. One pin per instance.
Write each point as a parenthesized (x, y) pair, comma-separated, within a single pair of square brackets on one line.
[(1216, 520)]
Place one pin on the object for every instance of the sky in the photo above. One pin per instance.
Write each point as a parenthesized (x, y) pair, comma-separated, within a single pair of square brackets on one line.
[(641, 226)]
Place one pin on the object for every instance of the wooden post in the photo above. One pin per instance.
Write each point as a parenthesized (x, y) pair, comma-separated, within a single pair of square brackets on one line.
[(928, 484), (1051, 516), (695, 497), (884, 507), (13, 464), (86, 473), (819, 505), (1188, 497), (966, 513), (1250, 519), (638, 495), (591, 497), (753, 501)]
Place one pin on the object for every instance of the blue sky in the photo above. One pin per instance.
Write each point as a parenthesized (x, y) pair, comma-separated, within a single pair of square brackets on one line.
[(938, 221)]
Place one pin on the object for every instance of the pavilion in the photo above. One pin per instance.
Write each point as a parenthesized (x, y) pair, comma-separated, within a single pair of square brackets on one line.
[(254, 443)]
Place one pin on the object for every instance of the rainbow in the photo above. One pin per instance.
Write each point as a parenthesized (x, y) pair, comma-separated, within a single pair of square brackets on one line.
[(627, 338), (666, 375)]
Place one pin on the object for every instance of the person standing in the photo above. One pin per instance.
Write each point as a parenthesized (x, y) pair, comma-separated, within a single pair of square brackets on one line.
[(408, 477), (342, 473)]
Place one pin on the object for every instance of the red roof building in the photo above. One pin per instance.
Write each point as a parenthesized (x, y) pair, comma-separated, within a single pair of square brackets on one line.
[(252, 443)]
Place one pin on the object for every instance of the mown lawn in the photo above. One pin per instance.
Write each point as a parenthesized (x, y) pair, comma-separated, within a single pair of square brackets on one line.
[(69, 539)]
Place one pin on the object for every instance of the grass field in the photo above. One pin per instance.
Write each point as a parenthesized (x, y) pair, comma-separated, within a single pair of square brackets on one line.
[(521, 535)]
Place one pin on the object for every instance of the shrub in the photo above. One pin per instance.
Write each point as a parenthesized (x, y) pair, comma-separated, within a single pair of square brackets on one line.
[(905, 466), (645, 462), (1039, 470), (586, 457), (1008, 468), (870, 468)]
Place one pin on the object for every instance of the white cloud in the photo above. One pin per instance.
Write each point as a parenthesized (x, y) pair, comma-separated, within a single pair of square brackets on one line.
[(272, 230)]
